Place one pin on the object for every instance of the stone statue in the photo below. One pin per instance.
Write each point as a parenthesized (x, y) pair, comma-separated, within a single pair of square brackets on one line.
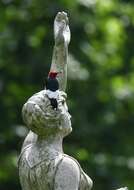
[(42, 163)]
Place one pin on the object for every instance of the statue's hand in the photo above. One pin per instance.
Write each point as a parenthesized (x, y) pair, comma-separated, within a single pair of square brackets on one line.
[(61, 28)]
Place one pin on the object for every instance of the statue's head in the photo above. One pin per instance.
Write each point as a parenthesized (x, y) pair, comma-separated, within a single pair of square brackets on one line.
[(41, 118)]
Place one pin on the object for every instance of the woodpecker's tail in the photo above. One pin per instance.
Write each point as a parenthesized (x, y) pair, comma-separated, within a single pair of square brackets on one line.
[(54, 103)]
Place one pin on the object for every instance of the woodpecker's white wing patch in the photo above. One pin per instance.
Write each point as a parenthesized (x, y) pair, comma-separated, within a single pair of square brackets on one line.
[(52, 94)]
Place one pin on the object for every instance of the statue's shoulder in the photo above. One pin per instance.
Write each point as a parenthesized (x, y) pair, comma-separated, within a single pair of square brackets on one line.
[(67, 175), (32, 156), (70, 166)]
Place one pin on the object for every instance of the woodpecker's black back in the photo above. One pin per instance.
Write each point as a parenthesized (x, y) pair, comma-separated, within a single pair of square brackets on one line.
[(52, 84)]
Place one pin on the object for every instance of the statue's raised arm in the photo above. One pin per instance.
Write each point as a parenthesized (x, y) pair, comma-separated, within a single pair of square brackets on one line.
[(59, 58), (60, 52)]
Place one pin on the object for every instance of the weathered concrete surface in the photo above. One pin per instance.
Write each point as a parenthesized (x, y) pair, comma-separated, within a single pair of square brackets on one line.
[(42, 163)]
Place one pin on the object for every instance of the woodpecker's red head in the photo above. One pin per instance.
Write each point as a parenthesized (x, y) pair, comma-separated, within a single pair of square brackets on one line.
[(52, 74)]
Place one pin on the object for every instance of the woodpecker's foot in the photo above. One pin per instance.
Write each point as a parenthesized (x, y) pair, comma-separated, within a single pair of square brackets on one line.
[(61, 28)]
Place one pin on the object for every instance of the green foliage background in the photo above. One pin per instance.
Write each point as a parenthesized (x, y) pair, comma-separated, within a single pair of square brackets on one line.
[(100, 83)]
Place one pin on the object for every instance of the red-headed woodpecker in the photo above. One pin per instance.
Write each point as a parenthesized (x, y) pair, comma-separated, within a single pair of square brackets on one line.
[(52, 89)]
